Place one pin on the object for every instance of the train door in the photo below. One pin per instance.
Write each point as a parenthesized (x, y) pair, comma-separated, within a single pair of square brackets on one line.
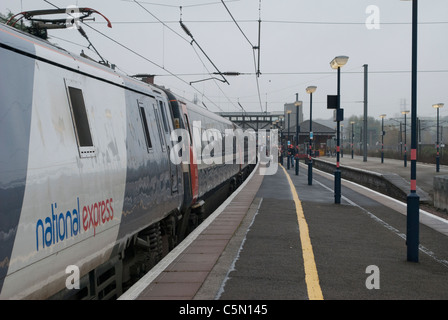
[(194, 173), (165, 127)]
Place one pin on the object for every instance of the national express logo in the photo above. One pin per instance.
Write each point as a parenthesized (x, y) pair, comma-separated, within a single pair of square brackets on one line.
[(62, 224)]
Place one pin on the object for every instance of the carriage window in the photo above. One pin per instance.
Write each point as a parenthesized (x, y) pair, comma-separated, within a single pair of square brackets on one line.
[(165, 123), (187, 122), (81, 122), (145, 128), (162, 139)]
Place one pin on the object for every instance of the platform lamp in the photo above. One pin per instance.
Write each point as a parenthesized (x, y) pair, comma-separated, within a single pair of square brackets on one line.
[(337, 63), (311, 90), (413, 200), (287, 141), (353, 135), (437, 106), (296, 148), (382, 116)]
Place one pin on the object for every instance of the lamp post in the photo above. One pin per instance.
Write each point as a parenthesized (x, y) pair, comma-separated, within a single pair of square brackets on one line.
[(337, 63), (413, 200), (382, 116), (353, 135), (437, 106), (342, 141), (405, 148), (287, 140), (311, 90), (365, 132), (296, 149)]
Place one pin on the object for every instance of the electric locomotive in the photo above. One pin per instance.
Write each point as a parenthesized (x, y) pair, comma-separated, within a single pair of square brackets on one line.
[(86, 178)]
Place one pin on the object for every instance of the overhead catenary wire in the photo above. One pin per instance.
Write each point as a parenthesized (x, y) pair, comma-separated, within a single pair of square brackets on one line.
[(259, 37), (242, 108), (236, 23), (278, 22), (187, 31), (186, 40), (176, 6), (183, 38), (122, 45), (219, 88), (138, 54), (320, 72), (160, 21), (257, 70), (184, 27), (275, 70), (258, 48)]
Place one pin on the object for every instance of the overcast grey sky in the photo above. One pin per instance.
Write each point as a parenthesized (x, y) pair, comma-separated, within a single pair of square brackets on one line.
[(298, 40)]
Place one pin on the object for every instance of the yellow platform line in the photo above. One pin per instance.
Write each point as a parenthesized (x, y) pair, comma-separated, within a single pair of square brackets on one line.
[(311, 275)]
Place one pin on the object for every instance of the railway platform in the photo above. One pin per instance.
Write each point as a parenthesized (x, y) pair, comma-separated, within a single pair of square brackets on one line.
[(396, 171), (279, 238)]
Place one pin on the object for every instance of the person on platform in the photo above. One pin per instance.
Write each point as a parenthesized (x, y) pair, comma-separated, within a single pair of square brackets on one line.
[(291, 153)]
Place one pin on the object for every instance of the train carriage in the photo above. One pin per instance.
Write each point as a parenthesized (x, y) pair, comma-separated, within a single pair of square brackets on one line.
[(85, 177)]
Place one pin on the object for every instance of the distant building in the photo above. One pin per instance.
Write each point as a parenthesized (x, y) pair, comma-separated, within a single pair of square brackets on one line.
[(321, 135)]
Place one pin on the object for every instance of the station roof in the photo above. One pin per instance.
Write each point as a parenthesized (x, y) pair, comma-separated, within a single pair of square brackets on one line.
[(318, 129)]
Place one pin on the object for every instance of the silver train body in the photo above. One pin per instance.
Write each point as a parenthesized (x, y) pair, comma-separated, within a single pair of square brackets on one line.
[(85, 173)]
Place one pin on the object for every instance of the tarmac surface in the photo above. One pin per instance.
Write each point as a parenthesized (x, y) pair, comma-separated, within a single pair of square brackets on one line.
[(287, 248)]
